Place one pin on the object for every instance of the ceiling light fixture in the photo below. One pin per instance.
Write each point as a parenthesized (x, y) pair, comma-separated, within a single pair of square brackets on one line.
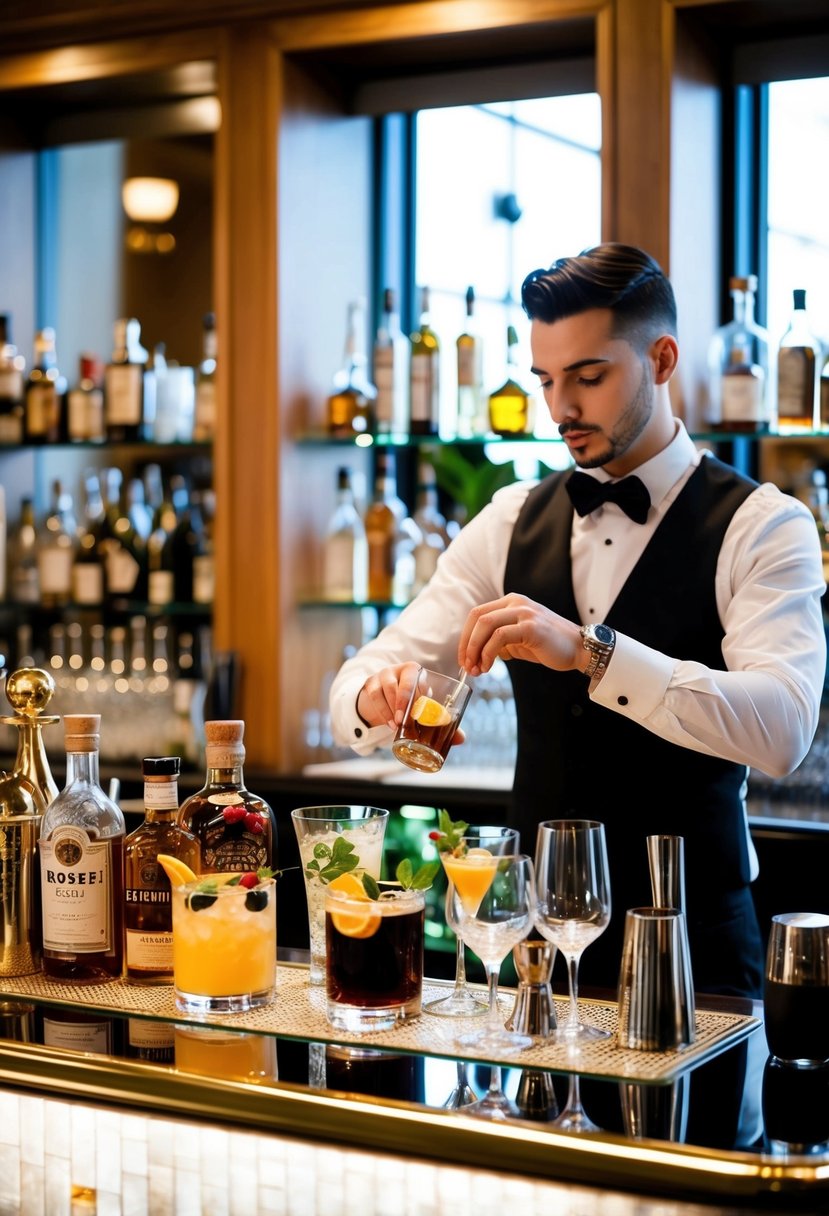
[(149, 202)]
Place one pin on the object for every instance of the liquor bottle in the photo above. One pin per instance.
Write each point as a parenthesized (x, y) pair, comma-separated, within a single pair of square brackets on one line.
[(434, 536), (152, 1042), (24, 582), (204, 419), (81, 860), (85, 403), (56, 549), (88, 575), (510, 406), (391, 537), (204, 573), (123, 551), (738, 366), (798, 367), (425, 374), (160, 561), (12, 370), (44, 394), (235, 829), (472, 417), (391, 371), (187, 541), (148, 912), (129, 389), (138, 511), (345, 550), (350, 407)]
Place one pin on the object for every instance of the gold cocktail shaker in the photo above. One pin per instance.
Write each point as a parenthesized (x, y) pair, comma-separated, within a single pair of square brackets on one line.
[(24, 795)]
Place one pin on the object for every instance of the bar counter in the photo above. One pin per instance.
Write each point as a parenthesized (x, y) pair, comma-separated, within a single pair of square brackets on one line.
[(717, 1125)]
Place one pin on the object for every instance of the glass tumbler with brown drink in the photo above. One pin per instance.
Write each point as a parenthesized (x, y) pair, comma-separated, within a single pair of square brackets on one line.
[(431, 720)]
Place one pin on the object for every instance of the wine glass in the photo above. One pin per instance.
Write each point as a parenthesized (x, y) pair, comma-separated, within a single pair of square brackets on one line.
[(463, 870), (574, 1117), (491, 922), (494, 1104), (573, 903)]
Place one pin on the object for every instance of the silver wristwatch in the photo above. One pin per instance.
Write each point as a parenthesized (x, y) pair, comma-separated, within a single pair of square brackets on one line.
[(599, 640)]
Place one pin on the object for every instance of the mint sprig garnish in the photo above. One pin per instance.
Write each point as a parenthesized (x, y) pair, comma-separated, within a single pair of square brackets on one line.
[(331, 861), (409, 878), (449, 835)]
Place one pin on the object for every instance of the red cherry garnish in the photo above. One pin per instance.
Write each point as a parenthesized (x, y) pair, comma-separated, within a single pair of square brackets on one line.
[(254, 822), (248, 880), (233, 814)]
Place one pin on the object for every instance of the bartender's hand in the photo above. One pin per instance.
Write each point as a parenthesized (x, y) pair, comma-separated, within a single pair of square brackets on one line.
[(383, 698), (515, 627)]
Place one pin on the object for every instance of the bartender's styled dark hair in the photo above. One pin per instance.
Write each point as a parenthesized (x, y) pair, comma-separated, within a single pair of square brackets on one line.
[(620, 277)]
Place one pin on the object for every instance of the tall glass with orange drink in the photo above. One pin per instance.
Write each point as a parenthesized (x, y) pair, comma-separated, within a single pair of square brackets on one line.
[(224, 943)]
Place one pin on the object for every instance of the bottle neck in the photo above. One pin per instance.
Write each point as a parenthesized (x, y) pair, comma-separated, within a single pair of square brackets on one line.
[(32, 762), (743, 306), (82, 767), (225, 774)]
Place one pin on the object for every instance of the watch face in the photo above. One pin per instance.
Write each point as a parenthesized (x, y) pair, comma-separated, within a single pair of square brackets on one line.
[(603, 633)]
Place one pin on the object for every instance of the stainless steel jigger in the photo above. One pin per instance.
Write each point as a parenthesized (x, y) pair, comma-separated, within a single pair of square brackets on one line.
[(534, 1012), (666, 859)]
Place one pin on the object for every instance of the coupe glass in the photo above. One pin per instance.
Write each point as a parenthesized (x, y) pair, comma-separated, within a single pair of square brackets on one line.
[(573, 904), (463, 871), (491, 923)]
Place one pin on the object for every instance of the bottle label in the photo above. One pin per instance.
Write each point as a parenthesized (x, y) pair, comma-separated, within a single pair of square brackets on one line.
[(149, 951), (11, 384), (122, 570), (229, 799), (424, 382), (85, 414), (145, 1034), (123, 394), (11, 427), (203, 579), (76, 886), (88, 583), (742, 398), (41, 408), (161, 587), (384, 382), (78, 1036), (467, 366), (161, 795), (55, 571), (795, 388)]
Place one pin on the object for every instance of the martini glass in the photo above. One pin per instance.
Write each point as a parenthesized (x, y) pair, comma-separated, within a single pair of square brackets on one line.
[(466, 867), (491, 922)]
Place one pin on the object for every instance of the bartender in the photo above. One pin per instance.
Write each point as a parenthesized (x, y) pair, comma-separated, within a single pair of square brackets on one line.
[(659, 613)]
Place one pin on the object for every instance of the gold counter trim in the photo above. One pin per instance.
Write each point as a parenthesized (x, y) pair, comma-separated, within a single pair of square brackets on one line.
[(395, 1127)]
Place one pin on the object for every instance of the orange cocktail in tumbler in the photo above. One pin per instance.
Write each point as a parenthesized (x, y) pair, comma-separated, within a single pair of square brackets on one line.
[(224, 943)]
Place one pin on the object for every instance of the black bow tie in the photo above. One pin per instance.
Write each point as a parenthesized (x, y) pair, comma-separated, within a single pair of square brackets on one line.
[(587, 493)]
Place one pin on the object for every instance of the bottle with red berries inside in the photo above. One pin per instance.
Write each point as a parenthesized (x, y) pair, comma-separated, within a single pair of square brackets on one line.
[(236, 829)]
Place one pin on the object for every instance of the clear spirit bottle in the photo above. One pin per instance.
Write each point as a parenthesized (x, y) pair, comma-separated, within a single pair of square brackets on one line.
[(345, 551), (391, 372), (81, 867), (798, 372), (472, 415)]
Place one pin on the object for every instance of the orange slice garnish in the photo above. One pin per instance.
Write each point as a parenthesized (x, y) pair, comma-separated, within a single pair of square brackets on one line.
[(429, 712), (176, 870), (350, 921)]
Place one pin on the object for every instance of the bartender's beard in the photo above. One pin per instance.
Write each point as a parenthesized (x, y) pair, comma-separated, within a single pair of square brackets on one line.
[(630, 424)]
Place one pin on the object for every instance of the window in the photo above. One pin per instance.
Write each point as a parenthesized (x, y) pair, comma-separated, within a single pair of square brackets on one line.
[(500, 189)]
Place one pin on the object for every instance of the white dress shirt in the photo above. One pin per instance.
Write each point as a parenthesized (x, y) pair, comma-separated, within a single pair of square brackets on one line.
[(762, 711)]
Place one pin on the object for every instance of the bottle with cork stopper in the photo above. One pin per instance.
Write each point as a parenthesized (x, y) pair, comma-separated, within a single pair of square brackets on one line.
[(81, 867), (235, 829)]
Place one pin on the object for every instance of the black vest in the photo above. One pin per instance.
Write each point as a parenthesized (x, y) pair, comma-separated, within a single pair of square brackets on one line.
[(581, 760)]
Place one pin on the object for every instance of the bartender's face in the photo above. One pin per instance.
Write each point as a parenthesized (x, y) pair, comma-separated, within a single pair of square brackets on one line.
[(601, 391)]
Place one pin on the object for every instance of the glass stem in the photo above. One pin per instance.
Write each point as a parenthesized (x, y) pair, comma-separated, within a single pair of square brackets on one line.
[(460, 966), (573, 981), (492, 979)]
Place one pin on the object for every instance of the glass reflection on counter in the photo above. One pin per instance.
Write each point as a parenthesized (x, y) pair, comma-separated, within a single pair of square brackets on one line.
[(795, 1101), (231, 1055)]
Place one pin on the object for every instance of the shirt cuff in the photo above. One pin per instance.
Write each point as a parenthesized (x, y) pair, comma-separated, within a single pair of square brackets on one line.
[(635, 681), (349, 729)]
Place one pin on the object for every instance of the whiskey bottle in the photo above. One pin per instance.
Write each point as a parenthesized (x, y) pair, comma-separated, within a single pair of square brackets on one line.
[(345, 552), (88, 576), (85, 403), (204, 417), (798, 371), (129, 388), (81, 867), (44, 396), (123, 551), (12, 368), (381, 530), (148, 912), (349, 408), (235, 829), (471, 415), (425, 374), (24, 583), (510, 406), (56, 549), (391, 372), (738, 366)]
